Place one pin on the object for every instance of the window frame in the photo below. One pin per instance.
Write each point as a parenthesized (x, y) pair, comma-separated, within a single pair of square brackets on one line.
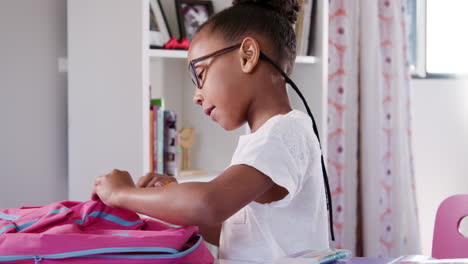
[(418, 70)]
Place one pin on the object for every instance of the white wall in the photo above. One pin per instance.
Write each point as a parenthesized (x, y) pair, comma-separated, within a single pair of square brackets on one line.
[(440, 112), (33, 122)]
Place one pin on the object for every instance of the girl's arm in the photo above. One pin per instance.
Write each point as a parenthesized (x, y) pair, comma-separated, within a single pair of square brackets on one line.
[(193, 203), (211, 234)]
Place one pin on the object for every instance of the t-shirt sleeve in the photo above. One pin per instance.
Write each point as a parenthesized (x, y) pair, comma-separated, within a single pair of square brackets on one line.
[(272, 157)]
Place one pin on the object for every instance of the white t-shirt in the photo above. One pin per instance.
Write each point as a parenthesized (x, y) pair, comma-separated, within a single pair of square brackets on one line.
[(286, 149)]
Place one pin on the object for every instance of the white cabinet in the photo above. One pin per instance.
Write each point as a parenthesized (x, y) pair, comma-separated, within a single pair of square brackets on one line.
[(110, 71)]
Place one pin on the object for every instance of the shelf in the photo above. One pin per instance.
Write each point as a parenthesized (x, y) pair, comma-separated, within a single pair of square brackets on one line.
[(162, 53), (306, 59), (182, 54)]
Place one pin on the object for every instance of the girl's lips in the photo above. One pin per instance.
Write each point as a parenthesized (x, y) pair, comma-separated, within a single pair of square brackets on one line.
[(209, 110)]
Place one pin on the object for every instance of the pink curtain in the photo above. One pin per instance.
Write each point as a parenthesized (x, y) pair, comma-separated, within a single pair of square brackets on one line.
[(370, 160)]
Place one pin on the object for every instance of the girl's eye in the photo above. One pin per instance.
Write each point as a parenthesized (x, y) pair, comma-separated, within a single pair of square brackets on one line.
[(200, 75)]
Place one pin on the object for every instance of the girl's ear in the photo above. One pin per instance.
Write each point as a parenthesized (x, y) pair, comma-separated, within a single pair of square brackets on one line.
[(249, 54)]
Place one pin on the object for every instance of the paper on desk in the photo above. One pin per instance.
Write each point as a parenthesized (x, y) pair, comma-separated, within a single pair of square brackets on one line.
[(421, 259), (314, 257), (410, 258)]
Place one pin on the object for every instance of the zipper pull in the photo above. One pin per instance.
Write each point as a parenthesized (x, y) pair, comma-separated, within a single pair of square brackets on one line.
[(37, 259)]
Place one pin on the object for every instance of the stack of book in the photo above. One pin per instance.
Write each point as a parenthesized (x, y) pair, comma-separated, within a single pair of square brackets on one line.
[(164, 145), (304, 28)]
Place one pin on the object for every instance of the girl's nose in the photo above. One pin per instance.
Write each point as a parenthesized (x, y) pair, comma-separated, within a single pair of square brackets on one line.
[(198, 98)]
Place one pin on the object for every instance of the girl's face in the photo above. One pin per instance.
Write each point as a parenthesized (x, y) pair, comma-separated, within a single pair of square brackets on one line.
[(223, 93)]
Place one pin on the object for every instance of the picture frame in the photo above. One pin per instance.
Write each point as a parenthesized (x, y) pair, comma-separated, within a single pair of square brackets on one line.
[(191, 14), (159, 29)]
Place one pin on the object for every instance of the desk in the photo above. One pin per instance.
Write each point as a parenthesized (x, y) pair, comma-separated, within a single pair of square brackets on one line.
[(351, 261), (367, 261)]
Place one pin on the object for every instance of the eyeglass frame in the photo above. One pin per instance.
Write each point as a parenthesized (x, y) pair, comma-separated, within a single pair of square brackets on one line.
[(194, 75), (192, 63)]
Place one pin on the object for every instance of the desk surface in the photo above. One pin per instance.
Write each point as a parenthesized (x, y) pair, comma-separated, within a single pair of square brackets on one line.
[(351, 261), (367, 261)]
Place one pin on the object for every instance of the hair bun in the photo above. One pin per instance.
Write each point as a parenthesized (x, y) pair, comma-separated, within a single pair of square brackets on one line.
[(286, 8)]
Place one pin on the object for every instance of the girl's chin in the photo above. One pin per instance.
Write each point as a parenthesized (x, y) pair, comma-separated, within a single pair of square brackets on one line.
[(223, 125), (228, 126)]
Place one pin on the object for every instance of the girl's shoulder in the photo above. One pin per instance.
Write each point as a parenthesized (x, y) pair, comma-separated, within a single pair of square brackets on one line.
[(295, 123), (293, 128), (294, 120)]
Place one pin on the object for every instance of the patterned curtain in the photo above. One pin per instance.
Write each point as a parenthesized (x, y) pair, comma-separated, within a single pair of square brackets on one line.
[(370, 160)]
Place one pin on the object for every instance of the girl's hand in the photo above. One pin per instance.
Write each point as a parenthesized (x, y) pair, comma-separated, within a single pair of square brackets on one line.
[(109, 187), (155, 180)]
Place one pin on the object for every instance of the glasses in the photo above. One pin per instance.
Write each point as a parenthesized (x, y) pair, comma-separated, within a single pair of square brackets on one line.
[(193, 74)]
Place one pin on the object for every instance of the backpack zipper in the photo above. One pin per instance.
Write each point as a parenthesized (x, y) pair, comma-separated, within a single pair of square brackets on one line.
[(94, 253)]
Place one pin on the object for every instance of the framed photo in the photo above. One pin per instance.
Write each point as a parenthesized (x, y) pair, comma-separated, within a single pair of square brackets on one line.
[(191, 15), (159, 30)]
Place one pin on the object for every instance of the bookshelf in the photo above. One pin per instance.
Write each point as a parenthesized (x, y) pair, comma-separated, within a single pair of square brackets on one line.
[(160, 53), (110, 71)]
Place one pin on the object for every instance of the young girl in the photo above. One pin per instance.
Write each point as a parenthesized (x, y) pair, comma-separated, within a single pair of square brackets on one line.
[(271, 200)]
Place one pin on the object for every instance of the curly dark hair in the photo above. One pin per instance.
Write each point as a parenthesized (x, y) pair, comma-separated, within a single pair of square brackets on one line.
[(273, 19)]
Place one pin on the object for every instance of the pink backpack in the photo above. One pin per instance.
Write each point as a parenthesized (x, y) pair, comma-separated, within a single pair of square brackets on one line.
[(91, 232)]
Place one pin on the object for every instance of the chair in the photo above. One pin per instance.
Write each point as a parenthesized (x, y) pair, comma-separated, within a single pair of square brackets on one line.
[(448, 242)]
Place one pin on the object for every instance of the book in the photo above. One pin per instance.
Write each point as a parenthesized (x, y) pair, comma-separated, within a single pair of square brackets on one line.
[(170, 148), (158, 138), (312, 33), (160, 141), (306, 27), (315, 257), (178, 155), (151, 142), (298, 27), (303, 27), (164, 143), (155, 138)]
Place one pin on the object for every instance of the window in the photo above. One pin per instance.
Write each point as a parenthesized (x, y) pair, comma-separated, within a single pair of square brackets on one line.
[(438, 39)]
